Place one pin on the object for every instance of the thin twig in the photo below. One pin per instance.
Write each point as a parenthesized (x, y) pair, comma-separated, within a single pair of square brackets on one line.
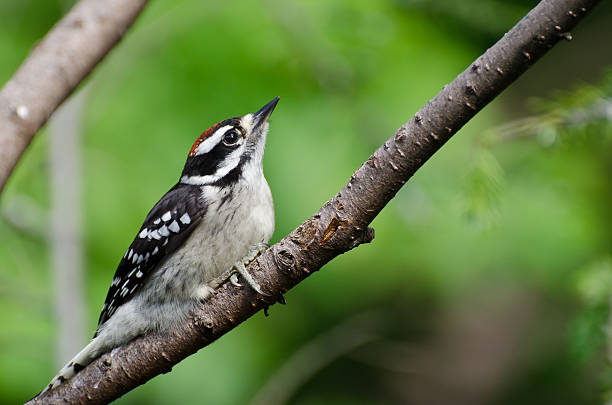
[(317, 354), (25, 215)]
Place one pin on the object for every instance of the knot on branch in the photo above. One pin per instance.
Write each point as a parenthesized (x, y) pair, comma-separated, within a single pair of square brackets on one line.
[(284, 259), (364, 236)]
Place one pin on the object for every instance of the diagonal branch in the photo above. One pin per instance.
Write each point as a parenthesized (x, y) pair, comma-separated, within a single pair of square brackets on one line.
[(341, 224), (56, 66)]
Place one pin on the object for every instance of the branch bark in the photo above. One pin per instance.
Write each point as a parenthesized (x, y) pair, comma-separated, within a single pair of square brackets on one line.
[(56, 66), (342, 223)]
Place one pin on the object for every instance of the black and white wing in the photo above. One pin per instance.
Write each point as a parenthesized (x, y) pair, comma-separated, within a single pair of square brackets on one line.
[(165, 228)]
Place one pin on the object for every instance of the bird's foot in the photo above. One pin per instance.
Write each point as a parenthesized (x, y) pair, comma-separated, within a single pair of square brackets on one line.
[(240, 268)]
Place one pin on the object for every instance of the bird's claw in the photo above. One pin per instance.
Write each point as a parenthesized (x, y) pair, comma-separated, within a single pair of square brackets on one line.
[(234, 280), (240, 268)]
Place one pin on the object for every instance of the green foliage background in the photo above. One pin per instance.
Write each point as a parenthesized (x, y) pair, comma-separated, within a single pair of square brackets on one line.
[(489, 278)]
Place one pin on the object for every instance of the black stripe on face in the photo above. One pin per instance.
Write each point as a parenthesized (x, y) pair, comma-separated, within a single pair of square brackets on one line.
[(208, 163), (233, 175), (230, 178)]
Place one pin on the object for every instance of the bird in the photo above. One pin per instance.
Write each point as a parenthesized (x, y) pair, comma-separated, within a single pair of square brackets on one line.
[(216, 219)]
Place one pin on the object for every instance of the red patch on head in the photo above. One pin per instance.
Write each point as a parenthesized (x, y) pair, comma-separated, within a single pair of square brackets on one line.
[(201, 139)]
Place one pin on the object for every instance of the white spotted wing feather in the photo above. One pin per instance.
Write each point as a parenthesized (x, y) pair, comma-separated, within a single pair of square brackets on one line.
[(165, 228)]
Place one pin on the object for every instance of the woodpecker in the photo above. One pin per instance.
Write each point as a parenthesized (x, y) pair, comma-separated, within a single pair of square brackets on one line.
[(204, 230)]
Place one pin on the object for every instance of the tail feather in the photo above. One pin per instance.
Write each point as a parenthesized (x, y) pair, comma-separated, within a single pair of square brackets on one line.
[(78, 363), (124, 326)]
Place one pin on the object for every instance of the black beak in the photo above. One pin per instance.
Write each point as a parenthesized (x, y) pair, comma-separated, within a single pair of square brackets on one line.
[(262, 115)]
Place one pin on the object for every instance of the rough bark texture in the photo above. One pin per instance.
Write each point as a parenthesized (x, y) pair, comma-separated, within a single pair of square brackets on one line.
[(341, 223), (55, 67)]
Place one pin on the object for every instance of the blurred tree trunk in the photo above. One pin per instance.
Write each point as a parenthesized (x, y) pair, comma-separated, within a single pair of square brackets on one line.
[(66, 226)]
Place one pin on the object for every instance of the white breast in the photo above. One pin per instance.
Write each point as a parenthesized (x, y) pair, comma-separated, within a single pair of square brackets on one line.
[(236, 219)]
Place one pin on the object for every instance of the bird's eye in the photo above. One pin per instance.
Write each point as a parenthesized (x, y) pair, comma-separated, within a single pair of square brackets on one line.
[(231, 137)]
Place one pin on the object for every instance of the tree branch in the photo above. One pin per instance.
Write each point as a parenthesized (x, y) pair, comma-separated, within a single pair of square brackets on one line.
[(56, 66), (341, 224)]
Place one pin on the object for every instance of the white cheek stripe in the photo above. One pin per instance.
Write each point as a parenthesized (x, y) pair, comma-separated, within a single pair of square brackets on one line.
[(230, 162), (212, 140)]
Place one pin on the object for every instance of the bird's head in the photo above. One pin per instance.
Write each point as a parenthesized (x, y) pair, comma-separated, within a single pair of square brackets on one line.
[(226, 149)]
